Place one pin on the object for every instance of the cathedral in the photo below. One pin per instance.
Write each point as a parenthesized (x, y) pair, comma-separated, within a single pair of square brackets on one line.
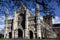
[(27, 25)]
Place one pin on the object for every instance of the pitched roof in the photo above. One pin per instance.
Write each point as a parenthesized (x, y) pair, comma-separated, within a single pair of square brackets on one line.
[(55, 25)]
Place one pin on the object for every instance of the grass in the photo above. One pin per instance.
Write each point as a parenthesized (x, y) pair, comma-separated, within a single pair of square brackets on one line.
[(28, 39)]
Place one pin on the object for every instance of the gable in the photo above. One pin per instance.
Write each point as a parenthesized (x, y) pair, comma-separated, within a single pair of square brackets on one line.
[(21, 9)]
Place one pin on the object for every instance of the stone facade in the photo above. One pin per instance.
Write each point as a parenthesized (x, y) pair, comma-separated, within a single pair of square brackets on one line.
[(27, 25)]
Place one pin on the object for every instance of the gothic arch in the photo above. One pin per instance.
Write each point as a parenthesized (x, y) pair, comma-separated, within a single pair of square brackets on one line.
[(20, 33), (10, 34), (31, 34)]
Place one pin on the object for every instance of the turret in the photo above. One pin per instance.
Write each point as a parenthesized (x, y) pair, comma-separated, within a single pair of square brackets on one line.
[(48, 19), (38, 26), (15, 26), (6, 34)]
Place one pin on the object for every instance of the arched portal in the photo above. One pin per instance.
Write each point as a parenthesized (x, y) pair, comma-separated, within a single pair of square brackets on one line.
[(31, 34), (10, 34), (20, 33)]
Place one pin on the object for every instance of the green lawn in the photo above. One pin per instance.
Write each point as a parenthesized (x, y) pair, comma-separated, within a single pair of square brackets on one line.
[(29, 39)]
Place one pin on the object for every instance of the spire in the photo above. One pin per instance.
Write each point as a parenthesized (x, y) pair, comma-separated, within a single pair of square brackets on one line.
[(6, 13), (37, 6), (6, 35), (37, 10), (15, 26), (14, 12), (38, 21)]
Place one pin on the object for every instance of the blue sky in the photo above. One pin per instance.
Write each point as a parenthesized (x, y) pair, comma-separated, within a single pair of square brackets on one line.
[(10, 10)]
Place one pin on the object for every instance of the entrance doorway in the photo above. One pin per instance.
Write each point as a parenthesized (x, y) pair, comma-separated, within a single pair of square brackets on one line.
[(31, 34), (10, 34), (20, 33)]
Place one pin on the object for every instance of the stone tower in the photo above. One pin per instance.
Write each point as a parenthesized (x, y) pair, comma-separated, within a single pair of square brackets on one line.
[(38, 26), (6, 34), (15, 26)]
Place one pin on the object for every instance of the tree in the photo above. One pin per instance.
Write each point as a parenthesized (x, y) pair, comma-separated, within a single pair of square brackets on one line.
[(1, 35)]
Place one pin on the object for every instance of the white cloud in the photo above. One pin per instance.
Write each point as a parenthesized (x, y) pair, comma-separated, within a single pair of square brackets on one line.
[(41, 17), (2, 29), (2, 19), (10, 17), (56, 20), (33, 9), (1, 26)]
